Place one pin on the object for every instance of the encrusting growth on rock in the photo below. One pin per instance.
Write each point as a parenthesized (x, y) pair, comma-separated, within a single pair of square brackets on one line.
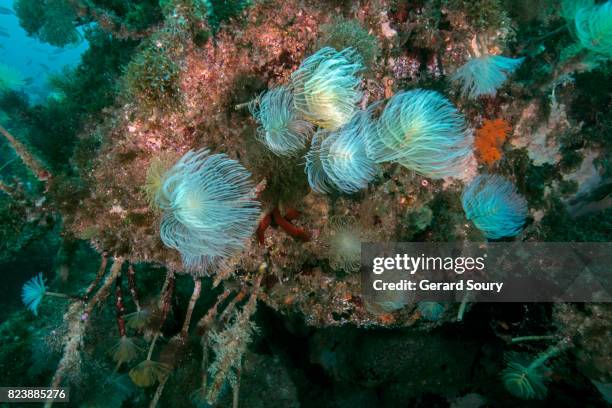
[(371, 119), (37, 167), (490, 139)]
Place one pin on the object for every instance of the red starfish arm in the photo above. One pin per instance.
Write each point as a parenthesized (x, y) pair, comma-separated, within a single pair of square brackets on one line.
[(289, 228), (262, 227)]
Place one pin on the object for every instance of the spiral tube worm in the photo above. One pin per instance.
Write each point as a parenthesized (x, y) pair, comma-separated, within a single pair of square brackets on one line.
[(104, 290), (594, 28), (484, 75), (281, 127), (326, 87), (424, 132), (209, 208), (317, 177), (338, 160), (494, 206), (289, 228)]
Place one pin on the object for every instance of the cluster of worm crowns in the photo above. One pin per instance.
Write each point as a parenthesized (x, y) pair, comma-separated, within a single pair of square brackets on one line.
[(209, 203), (208, 200), (419, 129)]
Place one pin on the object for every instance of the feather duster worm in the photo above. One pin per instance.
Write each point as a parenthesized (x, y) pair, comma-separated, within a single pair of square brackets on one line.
[(281, 127), (424, 132), (209, 208), (485, 75), (594, 28), (527, 379), (33, 292), (317, 178), (326, 87), (493, 205), (338, 159), (344, 242)]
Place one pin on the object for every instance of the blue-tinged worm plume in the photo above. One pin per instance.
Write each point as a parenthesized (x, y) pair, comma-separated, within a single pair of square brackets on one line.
[(492, 203), (326, 87), (33, 292), (344, 241), (281, 127), (341, 156), (594, 28), (318, 180), (569, 8), (209, 208), (484, 75), (424, 132), (431, 311)]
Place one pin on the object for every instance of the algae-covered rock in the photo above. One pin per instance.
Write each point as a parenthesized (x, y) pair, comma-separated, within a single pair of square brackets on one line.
[(415, 362)]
